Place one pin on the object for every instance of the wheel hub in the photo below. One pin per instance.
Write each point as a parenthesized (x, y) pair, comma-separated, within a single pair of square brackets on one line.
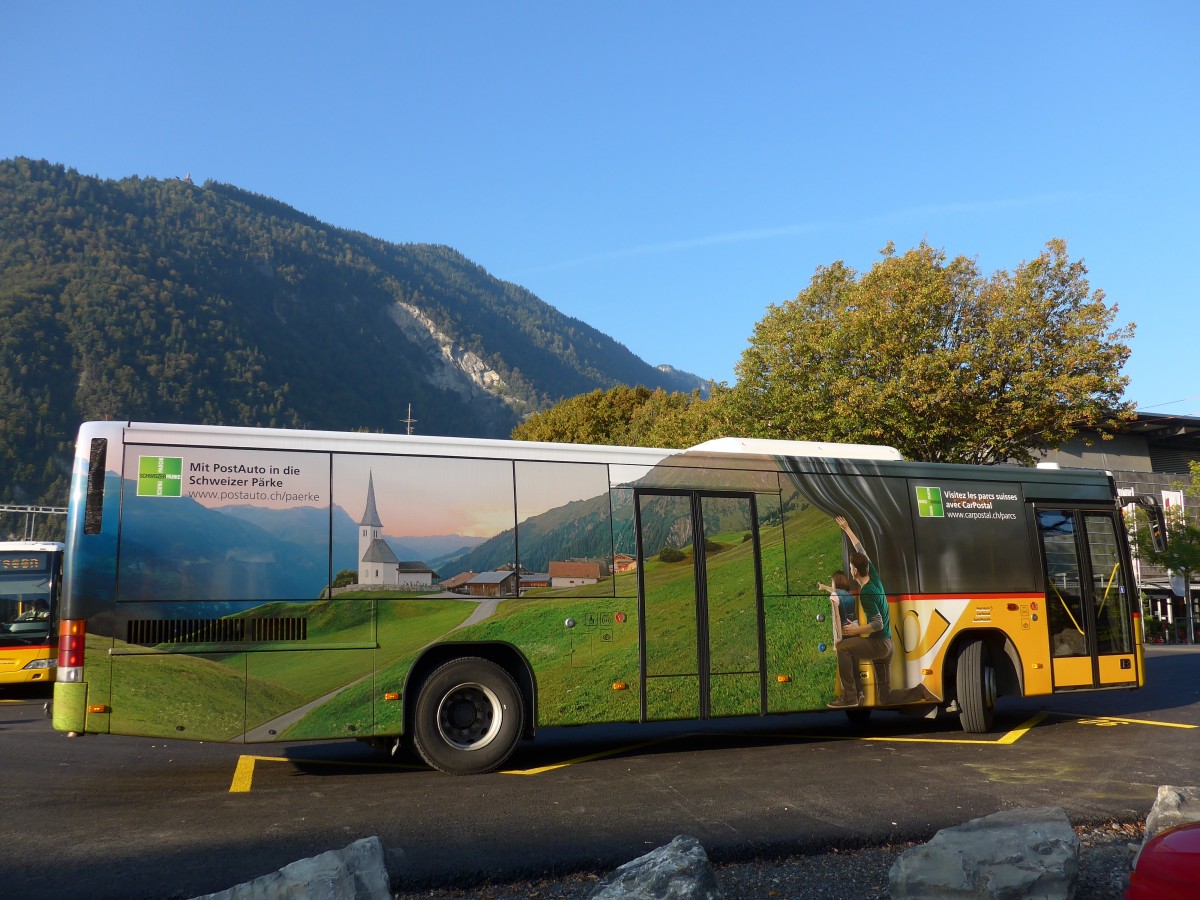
[(469, 716)]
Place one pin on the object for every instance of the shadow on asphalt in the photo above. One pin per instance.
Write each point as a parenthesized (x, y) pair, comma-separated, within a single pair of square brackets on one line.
[(1170, 673), (556, 747)]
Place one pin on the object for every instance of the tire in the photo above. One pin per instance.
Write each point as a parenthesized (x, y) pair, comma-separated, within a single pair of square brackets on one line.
[(468, 718), (976, 687)]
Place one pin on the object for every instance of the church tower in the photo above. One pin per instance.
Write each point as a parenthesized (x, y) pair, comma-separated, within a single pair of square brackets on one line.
[(370, 529)]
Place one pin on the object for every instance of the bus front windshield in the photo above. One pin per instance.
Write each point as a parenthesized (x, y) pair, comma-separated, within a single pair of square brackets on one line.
[(24, 609)]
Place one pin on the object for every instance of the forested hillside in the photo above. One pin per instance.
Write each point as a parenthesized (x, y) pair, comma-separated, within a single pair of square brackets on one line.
[(168, 301)]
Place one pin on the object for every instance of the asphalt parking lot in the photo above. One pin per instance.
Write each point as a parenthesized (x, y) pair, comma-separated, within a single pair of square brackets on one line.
[(187, 818)]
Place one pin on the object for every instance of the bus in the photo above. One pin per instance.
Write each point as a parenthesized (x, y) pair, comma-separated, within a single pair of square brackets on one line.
[(454, 595), (30, 578)]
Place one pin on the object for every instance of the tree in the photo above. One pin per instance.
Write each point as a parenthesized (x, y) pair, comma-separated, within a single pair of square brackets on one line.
[(1182, 553), (931, 357), (345, 578), (632, 417)]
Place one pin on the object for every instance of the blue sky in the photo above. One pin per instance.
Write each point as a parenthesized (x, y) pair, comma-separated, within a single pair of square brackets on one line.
[(664, 171)]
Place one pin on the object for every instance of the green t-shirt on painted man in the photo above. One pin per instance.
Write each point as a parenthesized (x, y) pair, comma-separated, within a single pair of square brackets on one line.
[(875, 605)]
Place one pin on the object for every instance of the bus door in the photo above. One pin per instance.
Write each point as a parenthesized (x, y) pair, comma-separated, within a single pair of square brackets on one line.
[(699, 579), (1087, 599)]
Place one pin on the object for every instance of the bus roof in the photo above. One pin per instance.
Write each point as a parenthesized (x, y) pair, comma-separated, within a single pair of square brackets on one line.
[(822, 449), (762, 452), (242, 436), (31, 546)]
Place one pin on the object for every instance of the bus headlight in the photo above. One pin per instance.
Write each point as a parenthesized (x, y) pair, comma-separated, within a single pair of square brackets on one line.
[(42, 664)]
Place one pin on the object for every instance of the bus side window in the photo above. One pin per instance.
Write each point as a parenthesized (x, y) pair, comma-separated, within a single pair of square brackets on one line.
[(94, 504)]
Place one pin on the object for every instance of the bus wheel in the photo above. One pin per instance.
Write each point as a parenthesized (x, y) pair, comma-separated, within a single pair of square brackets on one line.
[(468, 717), (976, 684)]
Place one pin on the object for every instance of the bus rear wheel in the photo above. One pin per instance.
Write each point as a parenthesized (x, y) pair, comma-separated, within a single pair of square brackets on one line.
[(976, 688), (468, 717)]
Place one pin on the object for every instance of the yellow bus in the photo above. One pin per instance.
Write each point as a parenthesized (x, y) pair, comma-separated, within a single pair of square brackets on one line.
[(30, 576), (456, 595)]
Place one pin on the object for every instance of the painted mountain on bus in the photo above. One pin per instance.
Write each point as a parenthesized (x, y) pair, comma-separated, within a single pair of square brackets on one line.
[(186, 543), (166, 301), (266, 552)]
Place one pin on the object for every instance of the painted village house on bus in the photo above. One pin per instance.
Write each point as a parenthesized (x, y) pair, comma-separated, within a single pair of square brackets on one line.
[(576, 573)]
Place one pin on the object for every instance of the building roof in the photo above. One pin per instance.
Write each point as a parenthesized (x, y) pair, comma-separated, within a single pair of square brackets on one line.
[(380, 552), (370, 516), (574, 569), (414, 566), (1165, 430), (1150, 442), (455, 580), (492, 577)]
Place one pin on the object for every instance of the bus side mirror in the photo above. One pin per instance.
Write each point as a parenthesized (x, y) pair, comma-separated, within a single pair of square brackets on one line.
[(1158, 524)]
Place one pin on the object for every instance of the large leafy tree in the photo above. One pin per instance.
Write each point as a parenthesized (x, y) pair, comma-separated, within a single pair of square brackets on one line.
[(630, 416), (935, 358)]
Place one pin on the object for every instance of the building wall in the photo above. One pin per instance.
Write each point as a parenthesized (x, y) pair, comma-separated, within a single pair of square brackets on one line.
[(1125, 452)]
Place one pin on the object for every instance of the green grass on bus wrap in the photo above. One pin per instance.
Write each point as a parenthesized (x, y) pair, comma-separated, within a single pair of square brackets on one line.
[(189, 696), (575, 668), (405, 627)]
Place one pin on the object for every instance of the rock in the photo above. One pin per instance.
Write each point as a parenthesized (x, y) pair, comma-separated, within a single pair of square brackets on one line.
[(678, 871), (1173, 806), (1022, 853), (356, 872)]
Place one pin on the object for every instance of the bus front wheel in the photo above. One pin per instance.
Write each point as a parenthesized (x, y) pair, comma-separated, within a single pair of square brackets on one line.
[(976, 684), (468, 717)]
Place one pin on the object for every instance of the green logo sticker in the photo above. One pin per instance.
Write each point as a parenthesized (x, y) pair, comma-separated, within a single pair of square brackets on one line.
[(160, 476), (929, 503)]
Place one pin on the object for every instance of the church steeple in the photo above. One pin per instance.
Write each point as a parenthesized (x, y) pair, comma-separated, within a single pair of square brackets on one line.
[(370, 530), (370, 516)]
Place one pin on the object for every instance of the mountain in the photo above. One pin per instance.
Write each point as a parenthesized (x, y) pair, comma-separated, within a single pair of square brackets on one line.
[(162, 300), (682, 382)]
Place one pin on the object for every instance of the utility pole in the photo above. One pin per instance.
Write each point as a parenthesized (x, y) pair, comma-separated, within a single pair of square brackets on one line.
[(410, 421)]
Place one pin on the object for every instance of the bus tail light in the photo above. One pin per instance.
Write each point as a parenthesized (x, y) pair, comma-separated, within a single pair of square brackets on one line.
[(70, 649)]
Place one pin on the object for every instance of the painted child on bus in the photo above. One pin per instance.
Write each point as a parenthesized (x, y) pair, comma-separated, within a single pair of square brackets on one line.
[(841, 591)]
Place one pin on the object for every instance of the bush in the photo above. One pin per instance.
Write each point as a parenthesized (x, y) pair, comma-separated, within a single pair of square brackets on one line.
[(671, 555), (345, 578)]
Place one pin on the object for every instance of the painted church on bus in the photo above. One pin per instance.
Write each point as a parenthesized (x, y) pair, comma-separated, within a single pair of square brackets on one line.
[(377, 564)]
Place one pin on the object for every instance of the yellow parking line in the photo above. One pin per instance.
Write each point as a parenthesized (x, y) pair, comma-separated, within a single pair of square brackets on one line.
[(1021, 730), (1127, 721), (243, 774), (1010, 737), (580, 759)]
